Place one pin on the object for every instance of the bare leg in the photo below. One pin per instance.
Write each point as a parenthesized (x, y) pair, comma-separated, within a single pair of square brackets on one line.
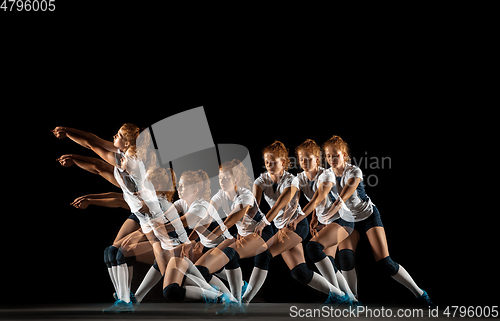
[(121, 274), (248, 246), (294, 256), (276, 247), (128, 227), (331, 235)]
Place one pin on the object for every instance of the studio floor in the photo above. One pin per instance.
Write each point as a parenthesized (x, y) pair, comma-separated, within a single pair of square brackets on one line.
[(198, 311)]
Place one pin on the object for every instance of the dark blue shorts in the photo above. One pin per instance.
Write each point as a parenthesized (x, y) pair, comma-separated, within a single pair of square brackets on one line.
[(268, 232), (302, 229), (134, 218), (347, 225), (371, 221)]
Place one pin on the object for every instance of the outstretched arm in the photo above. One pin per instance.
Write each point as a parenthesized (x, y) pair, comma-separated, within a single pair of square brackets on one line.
[(318, 197), (282, 201), (349, 188), (105, 149), (90, 164), (235, 216), (105, 200)]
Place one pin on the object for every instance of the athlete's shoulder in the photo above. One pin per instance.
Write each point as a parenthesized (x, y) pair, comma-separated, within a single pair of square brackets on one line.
[(244, 196), (327, 176), (243, 191), (200, 202), (287, 178), (353, 171), (263, 179)]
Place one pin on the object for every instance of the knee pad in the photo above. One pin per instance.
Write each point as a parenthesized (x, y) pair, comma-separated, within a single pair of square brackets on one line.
[(262, 260), (106, 258), (332, 259), (302, 274), (120, 257), (231, 265), (174, 292), (315, 251), (231, 253), (346, 259), (388, 265), (112, 252), (205, 272)]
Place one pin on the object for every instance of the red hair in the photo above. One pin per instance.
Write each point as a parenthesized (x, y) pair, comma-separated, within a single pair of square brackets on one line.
[(279, 150), (338, 143), (311, 145)]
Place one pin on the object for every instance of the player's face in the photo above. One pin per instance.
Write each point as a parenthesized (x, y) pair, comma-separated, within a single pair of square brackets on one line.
[(307, 160), (186, 192), (274, 165), (226, 181), (119, 141), (334, 156)]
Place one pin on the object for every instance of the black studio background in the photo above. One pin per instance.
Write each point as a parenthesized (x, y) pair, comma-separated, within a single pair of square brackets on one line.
[(398, 107), (59, 250)]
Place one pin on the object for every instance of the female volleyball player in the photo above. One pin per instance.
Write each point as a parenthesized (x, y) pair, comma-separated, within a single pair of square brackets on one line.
[(124, 167), (313, 185), (355, 206), (282, 196), (195, 212)]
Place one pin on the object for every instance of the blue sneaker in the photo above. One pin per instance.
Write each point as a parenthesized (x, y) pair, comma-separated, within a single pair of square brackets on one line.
[(425, 300), (335, 299), (132, 298), (209, 302), (231, 308), (244, 288), (120, 307)]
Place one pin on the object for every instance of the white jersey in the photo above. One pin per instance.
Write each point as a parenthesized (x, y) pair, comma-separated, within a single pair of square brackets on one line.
[(202, 216), (308, 188), (359, 204), (272, 192), (136, 190), (128, 184), (173, 234), (242, 198)]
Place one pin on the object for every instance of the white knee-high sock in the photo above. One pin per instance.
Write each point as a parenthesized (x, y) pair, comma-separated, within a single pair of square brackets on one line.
[(235, 280), (344, 286), (130, 276), (325, 267), (222, 287), (152, 277), (222, 274), (352, 280), (256, 281), (113, 280), (114, 273), (195, 293), (200, 282), (405, 279), (321, 284), (124, 294)]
